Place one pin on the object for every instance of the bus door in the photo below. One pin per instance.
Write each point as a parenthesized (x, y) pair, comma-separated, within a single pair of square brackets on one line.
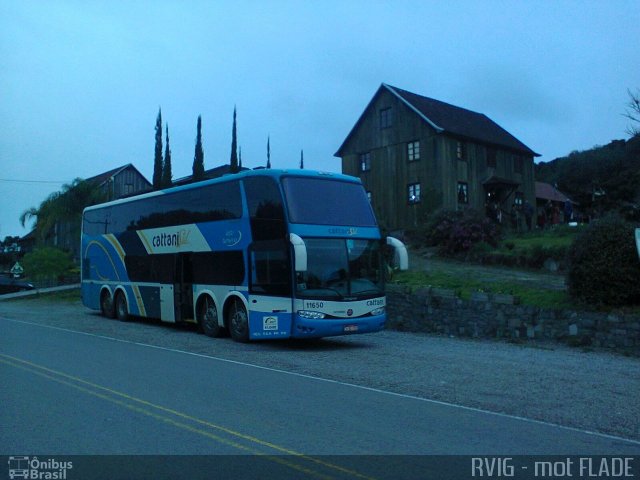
[(183, 287), (270, 293)]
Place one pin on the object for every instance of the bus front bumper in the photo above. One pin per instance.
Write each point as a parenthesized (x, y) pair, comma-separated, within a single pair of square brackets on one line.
[(311, 328)]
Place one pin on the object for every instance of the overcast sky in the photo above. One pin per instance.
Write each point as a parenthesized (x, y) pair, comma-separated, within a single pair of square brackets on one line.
[(81, 82)]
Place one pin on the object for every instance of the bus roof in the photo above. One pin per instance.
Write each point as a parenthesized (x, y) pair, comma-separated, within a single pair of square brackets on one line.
[(259, 172)]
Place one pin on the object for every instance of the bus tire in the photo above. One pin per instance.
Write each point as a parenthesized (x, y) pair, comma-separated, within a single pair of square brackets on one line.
[(208, 318), (107, 308), (122, 311), (238, 322)]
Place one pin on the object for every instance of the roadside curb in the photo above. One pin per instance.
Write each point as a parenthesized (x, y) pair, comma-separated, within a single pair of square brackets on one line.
[(38, 291)]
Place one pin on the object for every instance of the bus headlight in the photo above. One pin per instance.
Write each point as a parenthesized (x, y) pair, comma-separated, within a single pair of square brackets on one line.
[(377, 311), (311, 315)]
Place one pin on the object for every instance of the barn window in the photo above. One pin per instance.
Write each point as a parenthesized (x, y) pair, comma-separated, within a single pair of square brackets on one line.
[(413, 151), (413, 193), (518, 164), (519, 199), (386, 118), (491, 158), (365, 162), (463, 192)]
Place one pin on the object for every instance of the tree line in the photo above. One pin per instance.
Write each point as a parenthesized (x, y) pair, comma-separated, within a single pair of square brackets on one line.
[(162, 168)]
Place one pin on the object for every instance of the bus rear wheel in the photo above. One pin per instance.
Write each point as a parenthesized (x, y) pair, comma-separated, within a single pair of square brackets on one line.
[(238, 322), (106, 305), (122, 311), (208, 318)]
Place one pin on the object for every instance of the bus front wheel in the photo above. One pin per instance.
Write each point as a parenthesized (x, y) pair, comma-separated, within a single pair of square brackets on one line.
[(238, 322), (122, 311), (208, 318)]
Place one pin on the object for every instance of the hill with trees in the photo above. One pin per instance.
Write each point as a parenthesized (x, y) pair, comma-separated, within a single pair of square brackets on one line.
[(602, 179)]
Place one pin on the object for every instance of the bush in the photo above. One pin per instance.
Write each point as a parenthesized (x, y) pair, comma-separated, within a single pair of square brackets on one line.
[(428, 233), (604, 268), (47, 263), (456, 232)]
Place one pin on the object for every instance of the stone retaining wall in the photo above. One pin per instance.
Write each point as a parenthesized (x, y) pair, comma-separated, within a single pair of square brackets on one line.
[(486, 315)]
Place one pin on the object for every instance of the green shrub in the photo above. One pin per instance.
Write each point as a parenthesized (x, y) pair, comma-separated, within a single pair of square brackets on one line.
[(604, 268), (47, 263)]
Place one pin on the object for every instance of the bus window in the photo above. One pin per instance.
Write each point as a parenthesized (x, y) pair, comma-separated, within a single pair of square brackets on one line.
[(270, 268), (266, 213), (327, 202), (97, 222), (206, 204)]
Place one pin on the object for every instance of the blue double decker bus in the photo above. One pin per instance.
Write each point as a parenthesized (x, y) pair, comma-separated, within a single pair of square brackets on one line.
[(262, 254)]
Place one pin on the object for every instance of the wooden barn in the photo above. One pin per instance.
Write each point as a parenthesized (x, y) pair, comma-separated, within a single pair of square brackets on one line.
[(415, 155), (121, 182)]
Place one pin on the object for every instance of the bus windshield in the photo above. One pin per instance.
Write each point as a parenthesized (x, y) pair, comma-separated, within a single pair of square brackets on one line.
[(327, 202), (339, 268)]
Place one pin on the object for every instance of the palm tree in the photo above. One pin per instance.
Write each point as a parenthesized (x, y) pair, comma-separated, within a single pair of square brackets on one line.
[(64, 207), (45, 215)]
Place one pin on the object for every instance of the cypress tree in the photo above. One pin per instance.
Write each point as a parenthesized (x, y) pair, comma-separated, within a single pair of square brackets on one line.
[(157, 159), (234, 146), (166, 169), (239, 158), (198, 159), (301, 159), (268, 152)]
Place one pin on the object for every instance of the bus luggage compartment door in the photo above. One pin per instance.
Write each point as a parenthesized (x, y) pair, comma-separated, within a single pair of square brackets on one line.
[(269, 317), (270, 300)]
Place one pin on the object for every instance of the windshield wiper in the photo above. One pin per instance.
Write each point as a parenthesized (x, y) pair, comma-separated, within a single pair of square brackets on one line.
[(314, 290), (373, 291), (336, 291)]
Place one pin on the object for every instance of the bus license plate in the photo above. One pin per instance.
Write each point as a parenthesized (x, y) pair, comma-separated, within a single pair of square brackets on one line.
[(351, 328)]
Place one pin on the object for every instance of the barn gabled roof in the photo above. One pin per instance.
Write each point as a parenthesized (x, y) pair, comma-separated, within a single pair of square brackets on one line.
[(101, 178), (444, 117)]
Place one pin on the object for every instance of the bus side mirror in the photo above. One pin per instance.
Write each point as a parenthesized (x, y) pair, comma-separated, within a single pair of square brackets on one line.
[(299, 252), (400, 256)]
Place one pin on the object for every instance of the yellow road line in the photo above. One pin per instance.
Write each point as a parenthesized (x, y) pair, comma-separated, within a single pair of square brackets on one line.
[(168, 420), (39, 369)]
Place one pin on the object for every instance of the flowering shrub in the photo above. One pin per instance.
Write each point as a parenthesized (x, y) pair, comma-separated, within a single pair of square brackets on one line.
[(457, 232)]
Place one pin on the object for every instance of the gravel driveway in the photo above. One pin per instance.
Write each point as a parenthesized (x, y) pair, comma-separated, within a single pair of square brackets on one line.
[(595, 391)]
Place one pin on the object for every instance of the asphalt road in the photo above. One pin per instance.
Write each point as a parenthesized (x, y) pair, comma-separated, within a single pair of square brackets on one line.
[(76, 393)]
